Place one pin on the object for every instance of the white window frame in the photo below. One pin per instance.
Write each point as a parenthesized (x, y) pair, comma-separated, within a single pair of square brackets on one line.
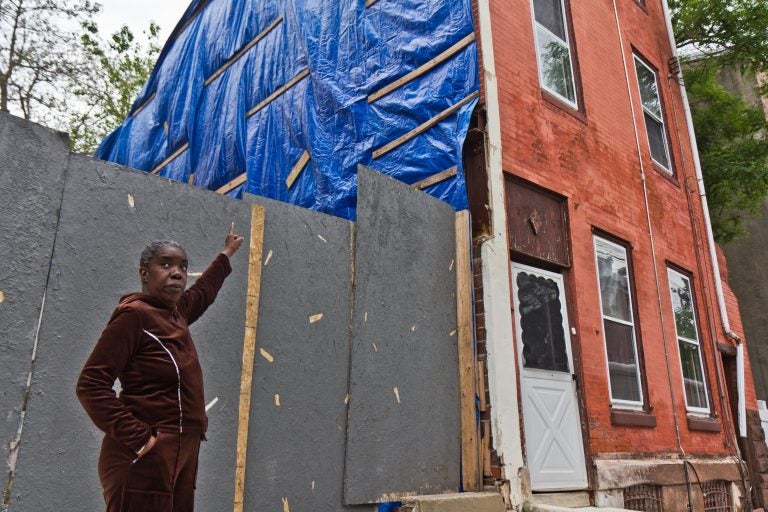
[(698, 411), (620, 403), (536, 26), (668, 166)]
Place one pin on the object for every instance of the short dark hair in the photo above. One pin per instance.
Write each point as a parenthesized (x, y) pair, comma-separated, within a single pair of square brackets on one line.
[(150, 250)]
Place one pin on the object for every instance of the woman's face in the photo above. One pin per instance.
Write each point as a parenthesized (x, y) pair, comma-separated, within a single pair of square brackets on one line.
[(166, 276)]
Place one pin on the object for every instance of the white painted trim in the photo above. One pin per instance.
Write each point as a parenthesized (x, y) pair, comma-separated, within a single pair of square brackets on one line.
[(497, 295)]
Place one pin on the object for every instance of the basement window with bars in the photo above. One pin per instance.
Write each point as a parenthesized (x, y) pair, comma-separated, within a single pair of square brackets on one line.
[(717, 496), (644, 497)]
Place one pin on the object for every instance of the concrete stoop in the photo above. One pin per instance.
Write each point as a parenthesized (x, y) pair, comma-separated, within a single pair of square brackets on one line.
[(461, 502), (545, 507)]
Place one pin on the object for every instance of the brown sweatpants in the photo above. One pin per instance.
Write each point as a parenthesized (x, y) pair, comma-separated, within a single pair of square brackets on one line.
[(163, 480)]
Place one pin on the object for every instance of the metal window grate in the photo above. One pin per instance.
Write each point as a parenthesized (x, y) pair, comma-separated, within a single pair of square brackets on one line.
[(717, 497), (644, 497)]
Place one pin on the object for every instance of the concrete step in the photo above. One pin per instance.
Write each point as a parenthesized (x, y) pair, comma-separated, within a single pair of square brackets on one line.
[(544, 507), (572, 499), (462, 502)]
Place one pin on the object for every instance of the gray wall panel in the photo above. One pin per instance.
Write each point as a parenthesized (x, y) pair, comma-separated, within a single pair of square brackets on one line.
[(296, 449), (403, 425), (95, 261), (33, 160)]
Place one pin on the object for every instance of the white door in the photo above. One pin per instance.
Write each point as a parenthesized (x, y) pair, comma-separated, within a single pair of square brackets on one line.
[(553, 442)]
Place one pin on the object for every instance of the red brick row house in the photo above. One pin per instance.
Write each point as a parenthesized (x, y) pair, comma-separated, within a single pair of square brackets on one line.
[(608, 340)]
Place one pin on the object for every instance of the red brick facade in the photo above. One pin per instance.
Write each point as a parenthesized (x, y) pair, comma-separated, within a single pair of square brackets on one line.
[(590, 156)]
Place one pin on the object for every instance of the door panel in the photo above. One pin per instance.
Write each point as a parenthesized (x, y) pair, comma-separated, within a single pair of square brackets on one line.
[(553, 442)]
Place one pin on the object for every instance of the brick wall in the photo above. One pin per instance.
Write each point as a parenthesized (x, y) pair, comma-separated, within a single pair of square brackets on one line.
[(591, 157)]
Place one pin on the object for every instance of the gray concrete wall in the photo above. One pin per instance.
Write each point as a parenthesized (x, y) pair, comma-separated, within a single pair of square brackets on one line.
[(33, 162), (403, 426)]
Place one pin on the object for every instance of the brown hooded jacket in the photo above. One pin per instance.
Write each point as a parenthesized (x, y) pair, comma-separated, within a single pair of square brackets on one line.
[(148, 347)]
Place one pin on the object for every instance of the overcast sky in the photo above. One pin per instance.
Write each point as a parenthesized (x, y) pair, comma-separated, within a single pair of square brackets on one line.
[(138, 13)]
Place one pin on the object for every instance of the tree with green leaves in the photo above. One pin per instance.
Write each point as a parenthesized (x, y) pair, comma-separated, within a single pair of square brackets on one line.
[(717, 37), (36, 57), (117, 69)]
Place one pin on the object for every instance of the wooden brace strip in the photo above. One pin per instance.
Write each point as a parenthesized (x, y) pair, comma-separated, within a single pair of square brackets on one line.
[(170, 159), (269, 99), (141, 107), (389, 146), (369, 3), (232, 184), (243, 50), (471, 472), (301, 163), (435, 178), (249, 349), (447, 54)]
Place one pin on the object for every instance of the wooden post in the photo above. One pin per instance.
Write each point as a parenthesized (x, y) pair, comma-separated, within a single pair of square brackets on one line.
[(249, 349), (470, 453)]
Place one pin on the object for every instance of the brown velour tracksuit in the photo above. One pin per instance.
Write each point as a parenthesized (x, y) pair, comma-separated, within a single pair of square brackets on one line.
[(148, 347)]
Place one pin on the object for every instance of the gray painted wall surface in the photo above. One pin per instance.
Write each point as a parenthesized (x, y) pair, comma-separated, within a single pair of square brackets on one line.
[(403, 423), (32, 168), (296, 449), (95, 261), (747, 262)]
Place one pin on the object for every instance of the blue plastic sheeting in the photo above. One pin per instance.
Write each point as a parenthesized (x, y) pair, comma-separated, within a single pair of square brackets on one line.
[(187, 122), (390, 506)]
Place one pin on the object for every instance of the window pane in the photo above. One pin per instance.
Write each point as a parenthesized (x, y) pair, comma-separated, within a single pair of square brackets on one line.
[(657, 140), (649, 93), (541, 323), (550, 14), (555, 62), (693, 376), (614, 283), (622, 363), (682, 305)]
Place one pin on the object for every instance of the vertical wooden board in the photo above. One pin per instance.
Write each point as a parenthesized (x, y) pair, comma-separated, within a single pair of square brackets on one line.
[(403, 433), (253, 296), (471, 476), (109, 213), (298, 412)]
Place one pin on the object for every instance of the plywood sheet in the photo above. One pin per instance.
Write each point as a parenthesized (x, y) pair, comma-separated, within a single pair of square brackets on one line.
[(298, 405), (403, 423)]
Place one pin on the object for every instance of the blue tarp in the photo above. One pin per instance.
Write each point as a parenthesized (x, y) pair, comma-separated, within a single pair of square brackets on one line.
[(346, 51)]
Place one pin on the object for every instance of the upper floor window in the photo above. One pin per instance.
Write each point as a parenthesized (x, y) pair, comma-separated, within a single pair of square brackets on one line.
[(653, 114), (613, 274), (553, 50), (696, 399)]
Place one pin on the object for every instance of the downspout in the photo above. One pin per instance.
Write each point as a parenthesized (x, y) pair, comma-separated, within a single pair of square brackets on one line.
[(497, 294), (742, 411)]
